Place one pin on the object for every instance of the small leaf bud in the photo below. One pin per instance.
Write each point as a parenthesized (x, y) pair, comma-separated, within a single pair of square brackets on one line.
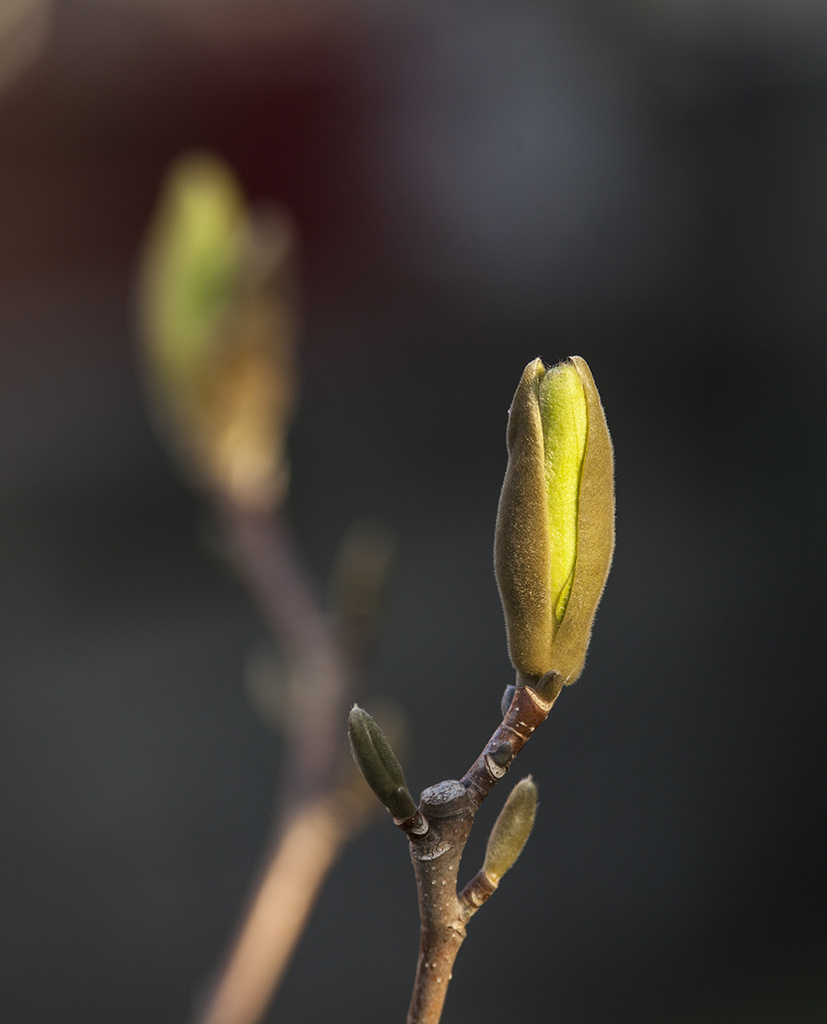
[(511, 830), (555, 523), (507, 697), (378, 763), (503, 754)]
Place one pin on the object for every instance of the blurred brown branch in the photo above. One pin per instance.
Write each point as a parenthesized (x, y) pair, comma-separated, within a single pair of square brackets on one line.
[(24, 29), (219, 322)]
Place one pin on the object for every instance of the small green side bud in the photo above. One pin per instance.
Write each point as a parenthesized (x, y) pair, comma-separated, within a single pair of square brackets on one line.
[(378, 763), (511, 830), (555, 523)]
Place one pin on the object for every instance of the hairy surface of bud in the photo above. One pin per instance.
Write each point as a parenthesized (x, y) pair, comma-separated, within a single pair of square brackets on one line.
[(555, 523)]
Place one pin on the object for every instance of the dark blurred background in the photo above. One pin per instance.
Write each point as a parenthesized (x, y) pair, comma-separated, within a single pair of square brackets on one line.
[(643, 183)]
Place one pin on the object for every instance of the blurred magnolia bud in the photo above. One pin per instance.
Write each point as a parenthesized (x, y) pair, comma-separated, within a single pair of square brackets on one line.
[(555, 523), (218, 317), (511, 830), (378, 763)]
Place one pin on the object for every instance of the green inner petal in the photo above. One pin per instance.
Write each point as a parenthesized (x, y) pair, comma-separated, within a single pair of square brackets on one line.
[(194, 261), (565, 426)]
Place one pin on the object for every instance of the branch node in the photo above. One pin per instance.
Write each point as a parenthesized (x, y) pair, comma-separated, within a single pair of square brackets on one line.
[(415, 825), (502, 754), (547, 689), (478, 890), (497, 770), (445, 800)]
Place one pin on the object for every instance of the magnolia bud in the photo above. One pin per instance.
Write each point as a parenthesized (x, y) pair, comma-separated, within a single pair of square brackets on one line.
[(511, 830), (378, 763), (218, 321), (555, 523)]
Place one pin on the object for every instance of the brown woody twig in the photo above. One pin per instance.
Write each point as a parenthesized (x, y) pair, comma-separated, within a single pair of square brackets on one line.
[(317, 812), (448, 810)]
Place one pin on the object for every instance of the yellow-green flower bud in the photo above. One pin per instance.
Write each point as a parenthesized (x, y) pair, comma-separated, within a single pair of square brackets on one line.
[(555, 523), (511, 830), (218, 322)]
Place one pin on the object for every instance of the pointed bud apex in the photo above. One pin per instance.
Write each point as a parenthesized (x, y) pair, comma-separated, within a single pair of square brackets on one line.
[(555, 523), (218, 315), (378, 763), (511, 830)]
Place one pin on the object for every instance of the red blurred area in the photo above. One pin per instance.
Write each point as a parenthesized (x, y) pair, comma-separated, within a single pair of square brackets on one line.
[(89, 127)]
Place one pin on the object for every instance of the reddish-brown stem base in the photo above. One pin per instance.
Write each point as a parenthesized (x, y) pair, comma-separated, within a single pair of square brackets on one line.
[(449, 809), (312, 822)]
